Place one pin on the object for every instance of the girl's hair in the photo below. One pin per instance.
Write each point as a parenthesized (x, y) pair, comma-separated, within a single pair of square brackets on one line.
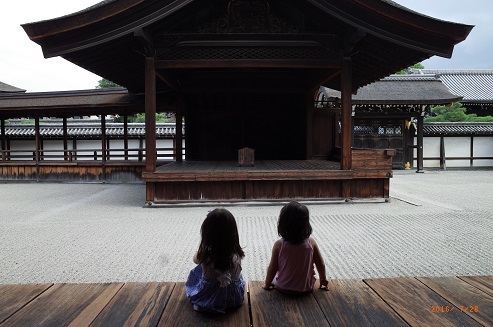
[(294, 223), (220, 240)]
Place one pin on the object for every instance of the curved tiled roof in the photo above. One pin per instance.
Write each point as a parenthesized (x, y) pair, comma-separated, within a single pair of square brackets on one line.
[(384, 37), (89, 130), (402, 89), (431, 129), (475, 86)]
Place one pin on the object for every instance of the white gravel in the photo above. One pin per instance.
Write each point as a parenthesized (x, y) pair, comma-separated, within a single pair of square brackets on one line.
[(439, 223)]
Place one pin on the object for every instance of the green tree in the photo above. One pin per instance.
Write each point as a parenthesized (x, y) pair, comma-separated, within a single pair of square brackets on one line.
[(455, 113), (415, 66), (141, 118), (104, 83)]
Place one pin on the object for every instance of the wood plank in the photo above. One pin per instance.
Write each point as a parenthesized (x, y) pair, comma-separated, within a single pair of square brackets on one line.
[(14, 297), (273, 308), (63, 303), (415, 302), (467, 298), (179, 312), (353, 303), (93, 309), (484, 283), (136, 304)]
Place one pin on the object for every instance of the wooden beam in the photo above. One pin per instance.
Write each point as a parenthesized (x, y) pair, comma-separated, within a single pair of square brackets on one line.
[(150, 111), (346, 113), (245, 63)]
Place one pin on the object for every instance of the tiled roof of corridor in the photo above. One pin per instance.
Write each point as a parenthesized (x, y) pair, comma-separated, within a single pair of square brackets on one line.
[(461, 128), (475, 86), (113, 130)]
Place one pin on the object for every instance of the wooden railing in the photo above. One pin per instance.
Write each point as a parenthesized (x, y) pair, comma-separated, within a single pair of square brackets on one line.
[(131, 154)]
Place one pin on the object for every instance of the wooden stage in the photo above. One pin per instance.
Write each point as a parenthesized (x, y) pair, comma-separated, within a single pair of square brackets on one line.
[(443, 301), (269, 180)]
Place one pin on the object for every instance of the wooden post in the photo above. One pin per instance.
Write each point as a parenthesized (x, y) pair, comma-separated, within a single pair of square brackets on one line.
[(150, 112), (65, 142), (74, 149), (3, 140), (420, 142), (125, 135), (309, 109), (179, 132), (471, 153), (103, 145), (37, 140), (443, 164), (346, 113)]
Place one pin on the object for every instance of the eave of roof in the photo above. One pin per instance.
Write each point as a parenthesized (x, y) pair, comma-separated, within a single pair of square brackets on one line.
[(69, 103), (402, 90), (107, 28)]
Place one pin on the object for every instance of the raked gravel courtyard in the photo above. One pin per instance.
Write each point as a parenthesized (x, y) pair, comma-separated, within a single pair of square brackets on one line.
[(439, 223)]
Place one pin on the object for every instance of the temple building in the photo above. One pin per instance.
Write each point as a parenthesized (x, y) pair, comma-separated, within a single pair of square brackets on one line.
[(222, 65)]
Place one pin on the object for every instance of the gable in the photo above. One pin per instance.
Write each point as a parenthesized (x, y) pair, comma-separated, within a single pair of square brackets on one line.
[(307, 38)]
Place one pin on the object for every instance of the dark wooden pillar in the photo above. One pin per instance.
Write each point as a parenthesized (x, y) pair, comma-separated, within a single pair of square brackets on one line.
[(420, 142), (471, 152), (125, 135), (103, 145), (37, 139), (309, 109), (65, 140), (4, 138), (150, 114), (178, 142), (443, 164), (346, 113)]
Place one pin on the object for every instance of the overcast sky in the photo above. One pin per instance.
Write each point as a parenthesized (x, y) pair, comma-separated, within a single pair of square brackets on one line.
[(22, 63)]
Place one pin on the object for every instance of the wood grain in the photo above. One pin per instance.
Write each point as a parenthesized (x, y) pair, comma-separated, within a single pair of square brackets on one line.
[(136, 304), (59, 305), (180, 313), (353, 303), (413, 301), (484, 283), (464, 297), (15, 297), (273, 308)]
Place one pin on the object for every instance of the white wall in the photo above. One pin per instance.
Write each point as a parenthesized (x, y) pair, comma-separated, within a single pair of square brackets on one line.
[(55, 147), (457, 147)]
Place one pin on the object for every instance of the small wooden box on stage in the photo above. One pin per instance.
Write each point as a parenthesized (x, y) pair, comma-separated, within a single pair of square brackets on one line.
[(246, 157)]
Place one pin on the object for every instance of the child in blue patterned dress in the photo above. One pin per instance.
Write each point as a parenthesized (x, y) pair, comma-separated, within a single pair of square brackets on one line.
[(216, 283)]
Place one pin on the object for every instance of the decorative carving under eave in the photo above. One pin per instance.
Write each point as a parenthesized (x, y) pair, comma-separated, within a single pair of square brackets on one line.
[(248, 16)]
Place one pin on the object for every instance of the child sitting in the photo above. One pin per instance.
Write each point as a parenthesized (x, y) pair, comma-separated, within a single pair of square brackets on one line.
[(293, 256), (216, 283)]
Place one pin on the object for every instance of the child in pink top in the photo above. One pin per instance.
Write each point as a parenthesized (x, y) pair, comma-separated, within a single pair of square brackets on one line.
[(293, 256)]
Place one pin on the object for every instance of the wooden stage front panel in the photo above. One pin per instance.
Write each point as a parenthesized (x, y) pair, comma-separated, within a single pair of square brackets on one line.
[(268, 180)]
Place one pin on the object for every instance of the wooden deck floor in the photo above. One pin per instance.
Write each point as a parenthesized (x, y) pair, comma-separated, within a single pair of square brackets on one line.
[(444, 301)]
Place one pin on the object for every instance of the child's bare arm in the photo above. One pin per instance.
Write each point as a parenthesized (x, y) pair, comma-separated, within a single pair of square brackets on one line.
[(273, 265), (319, 264)]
